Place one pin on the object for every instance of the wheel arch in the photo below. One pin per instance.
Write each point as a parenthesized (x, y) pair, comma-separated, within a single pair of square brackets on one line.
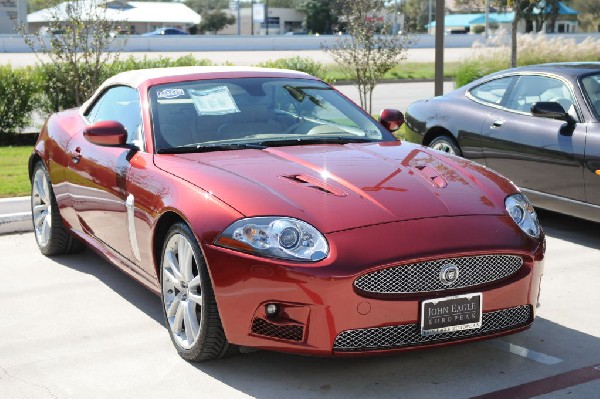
[(438, 131), (33, 160), (164, 223)]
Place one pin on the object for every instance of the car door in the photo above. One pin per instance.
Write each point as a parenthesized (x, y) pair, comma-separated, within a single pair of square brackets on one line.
[(590, 85), (539, 154), (98, 182)]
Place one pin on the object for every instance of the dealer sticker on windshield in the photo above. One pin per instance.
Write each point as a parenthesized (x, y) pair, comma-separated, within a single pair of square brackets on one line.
[(453, 313), (215, 101)]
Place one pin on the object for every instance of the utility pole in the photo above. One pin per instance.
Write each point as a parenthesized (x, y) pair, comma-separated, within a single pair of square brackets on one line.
[(487, 19), (395, 29), (267, 16), (430, 15), (439, 46)]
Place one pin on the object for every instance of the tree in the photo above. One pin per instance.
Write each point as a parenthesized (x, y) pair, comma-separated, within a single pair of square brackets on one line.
[(214, 21), (321, 15), (585, 6), (417, 14), (78, 40), (205, 6), (284, 3), (539, 12), (368, 52)]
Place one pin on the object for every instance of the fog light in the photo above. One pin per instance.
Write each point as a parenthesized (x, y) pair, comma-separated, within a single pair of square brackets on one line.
[(271, 309)]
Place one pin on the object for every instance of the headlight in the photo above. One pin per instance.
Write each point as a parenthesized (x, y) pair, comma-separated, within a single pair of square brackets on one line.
[(277, 237), (521, 211)]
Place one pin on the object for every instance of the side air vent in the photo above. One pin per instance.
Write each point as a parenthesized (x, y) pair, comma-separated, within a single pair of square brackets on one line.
[(316, 183)]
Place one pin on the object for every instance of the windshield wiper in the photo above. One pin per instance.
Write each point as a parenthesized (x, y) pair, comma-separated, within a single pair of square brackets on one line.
[(186, 149), (315, 140)]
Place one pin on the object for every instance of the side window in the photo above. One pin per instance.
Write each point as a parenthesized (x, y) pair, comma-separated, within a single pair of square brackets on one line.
[(121, 104), (530, 89), (493, 91), (591, 85)]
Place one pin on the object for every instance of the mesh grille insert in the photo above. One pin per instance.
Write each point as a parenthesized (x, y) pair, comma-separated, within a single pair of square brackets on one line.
[(410, 334), (425, 276), (288, 332)]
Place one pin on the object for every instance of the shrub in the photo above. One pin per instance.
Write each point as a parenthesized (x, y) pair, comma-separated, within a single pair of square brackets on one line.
[(474, 69), (19, 88), (302, 64), (146, 63), (532, 49), (478, 29), (59, 93)]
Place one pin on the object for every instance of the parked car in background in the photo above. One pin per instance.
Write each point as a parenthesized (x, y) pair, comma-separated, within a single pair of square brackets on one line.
[(267, 210), (166, 32), (538, 125)]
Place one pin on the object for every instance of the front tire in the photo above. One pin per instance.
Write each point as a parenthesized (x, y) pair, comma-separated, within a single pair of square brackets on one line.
[(189, 305), (445, 144), (51, 235)]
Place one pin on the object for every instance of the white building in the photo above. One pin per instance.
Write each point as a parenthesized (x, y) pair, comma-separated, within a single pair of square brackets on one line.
[(281, 21), (137, 17), (12, 14)]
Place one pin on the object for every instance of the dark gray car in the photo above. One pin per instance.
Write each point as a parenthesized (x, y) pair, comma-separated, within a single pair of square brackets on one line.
[(538, 125)]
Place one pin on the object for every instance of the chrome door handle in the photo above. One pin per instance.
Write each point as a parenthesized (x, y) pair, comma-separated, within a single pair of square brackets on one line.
[(498, 123)]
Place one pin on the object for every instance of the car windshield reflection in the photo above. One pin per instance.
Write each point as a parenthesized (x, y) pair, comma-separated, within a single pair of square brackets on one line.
[(222, 114)]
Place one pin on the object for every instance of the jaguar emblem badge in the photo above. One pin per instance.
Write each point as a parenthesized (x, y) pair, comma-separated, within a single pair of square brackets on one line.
[(449, 274)]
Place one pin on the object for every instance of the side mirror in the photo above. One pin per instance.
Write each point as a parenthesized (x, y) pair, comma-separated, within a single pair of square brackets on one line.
[(106, 133), (391, 119), (549, 109)]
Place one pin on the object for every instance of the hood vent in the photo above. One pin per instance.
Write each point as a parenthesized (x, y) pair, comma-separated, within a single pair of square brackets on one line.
[(317, 184), (432, 175)]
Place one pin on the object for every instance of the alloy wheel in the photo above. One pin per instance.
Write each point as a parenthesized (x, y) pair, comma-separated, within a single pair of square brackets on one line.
[(182, 296), (41, 207)]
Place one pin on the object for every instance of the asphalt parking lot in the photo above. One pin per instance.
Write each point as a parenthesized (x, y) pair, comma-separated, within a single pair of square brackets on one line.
[(77, 327)]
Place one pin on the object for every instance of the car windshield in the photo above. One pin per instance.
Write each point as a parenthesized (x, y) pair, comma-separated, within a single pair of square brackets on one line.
[(220, 114), (591, 86)]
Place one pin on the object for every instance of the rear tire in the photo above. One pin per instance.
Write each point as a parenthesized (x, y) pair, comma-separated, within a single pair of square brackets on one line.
[(51, 235), (189, 305), (446, 144)]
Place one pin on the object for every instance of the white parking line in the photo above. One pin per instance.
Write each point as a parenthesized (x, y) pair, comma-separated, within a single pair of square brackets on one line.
[(524, 352)]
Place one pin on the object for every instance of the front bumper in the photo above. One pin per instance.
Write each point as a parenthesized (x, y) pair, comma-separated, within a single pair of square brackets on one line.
[(321, 312)]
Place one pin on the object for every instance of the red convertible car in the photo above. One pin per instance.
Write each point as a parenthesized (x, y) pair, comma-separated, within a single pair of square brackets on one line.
[(267, 210)]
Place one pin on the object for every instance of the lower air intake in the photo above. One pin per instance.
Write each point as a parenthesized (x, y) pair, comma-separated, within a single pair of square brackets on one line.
[(410, 334), (288, 332)]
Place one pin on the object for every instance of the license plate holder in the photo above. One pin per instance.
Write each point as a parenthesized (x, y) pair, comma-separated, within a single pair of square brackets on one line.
[(452, 313)]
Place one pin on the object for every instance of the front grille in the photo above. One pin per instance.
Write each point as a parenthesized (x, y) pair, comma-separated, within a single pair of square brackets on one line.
[(425, 276), (288, 332), (410, 334)]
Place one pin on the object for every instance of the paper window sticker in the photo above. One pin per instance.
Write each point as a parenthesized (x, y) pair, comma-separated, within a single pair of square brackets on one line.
[(170, 93), (215, 101)]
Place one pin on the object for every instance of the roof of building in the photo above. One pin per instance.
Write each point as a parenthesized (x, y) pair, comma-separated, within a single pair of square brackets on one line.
[(467, 20), (562, 9), (132, 11)]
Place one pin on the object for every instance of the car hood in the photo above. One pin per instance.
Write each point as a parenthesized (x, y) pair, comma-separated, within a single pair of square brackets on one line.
[(339, 187)]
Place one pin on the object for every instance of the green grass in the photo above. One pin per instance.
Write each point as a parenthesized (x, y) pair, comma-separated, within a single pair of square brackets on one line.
[(14, 181), (406, 70)]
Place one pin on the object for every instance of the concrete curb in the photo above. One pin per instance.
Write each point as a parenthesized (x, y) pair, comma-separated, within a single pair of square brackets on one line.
[(15, 215), (15, 223)]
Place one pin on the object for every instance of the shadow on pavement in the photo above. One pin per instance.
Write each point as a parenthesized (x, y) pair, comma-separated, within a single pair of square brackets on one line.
[(458, 371), (578, 231), (90, 263)]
